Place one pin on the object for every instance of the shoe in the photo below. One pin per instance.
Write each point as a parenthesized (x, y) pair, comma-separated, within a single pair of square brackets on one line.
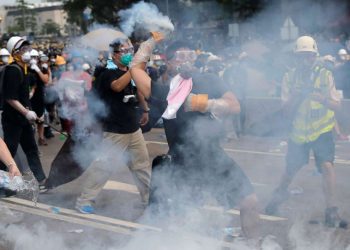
[(86, 209), (42, 142), (48, 133), (43, 188), (332, 218)]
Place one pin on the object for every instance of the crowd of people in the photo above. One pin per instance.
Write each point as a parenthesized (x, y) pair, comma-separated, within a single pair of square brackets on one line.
[(192, 92)]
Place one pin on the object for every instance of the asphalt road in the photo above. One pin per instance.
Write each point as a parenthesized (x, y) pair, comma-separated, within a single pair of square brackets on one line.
[(121, 222)]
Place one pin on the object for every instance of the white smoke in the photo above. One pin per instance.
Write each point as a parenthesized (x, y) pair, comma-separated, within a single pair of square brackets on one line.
[(145, 15)]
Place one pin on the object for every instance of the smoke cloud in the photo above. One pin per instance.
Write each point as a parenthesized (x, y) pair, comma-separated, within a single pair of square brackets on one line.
[(145, 15)]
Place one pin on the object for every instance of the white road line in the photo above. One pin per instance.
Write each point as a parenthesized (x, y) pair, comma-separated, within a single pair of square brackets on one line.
[(65, 218), (120, 186), (338, 161), (65, 211), (25, 206)]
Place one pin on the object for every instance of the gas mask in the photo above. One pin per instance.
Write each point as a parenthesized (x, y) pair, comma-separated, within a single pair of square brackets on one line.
[(33, 61), (5, 59), (26, 57), (126, 59)]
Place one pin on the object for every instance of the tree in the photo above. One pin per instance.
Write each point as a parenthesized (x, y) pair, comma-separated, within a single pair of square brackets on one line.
[(242, 9), (102, 11), (26, 21), (50, 28)]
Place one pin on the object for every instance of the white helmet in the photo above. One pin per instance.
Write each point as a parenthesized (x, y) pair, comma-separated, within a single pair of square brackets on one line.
[(342, 52), (14, 43), (306, 44), (34, 52), (4, 52), (86, 66)]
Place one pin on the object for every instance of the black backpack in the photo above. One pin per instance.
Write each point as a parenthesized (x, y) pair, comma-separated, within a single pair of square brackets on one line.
[(2, 75)]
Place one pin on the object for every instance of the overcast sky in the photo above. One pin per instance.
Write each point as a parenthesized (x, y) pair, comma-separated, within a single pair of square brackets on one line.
[(14, 1)]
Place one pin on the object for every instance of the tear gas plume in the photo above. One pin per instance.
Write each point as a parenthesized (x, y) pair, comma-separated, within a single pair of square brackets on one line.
[(145, 15)]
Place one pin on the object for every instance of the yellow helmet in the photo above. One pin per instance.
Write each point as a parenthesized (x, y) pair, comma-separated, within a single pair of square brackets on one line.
[(306, 44), (60, 60)]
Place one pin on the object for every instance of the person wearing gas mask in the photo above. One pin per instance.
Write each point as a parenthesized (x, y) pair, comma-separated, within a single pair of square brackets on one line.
[(4, 57), (40, 77), (310, 100), (121, 127), (72, 89), (195, 105), (17, 116)]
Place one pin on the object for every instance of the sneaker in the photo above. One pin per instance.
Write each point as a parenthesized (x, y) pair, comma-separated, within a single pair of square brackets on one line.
[(86, 209), (332, 218), (43, 188)]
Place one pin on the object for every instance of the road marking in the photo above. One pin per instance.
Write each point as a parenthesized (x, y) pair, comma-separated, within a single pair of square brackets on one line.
[(70, 212), (70, 219), (40, 210), (337, 161), (120, 186)]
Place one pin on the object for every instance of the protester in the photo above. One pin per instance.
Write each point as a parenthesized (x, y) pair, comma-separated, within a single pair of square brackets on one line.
[(39, 78), (17, 118), (193, 129), (73, 88), (121, 127), (311, 106)]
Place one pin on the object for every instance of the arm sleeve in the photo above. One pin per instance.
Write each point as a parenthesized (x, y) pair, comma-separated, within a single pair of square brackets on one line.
[(12, 82)]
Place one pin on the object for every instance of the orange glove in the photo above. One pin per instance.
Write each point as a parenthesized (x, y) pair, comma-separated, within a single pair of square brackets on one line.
[(157, 36), (196, 103)]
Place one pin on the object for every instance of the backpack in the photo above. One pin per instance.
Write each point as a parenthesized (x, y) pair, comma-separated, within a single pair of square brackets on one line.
[(2, 75)]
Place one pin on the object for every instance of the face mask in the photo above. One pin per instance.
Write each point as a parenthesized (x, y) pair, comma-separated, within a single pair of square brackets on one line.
[(44, 65), (33, 61), (53, 60), (5, 59), (126, 59), (26, 57)]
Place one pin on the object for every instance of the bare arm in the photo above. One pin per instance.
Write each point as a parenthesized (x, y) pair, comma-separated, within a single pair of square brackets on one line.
[(7, 159), (142, 79), (119, 84), (18, 106), (44, 77)]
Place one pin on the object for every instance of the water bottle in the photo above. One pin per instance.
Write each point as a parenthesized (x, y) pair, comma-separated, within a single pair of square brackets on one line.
[(15, 183)]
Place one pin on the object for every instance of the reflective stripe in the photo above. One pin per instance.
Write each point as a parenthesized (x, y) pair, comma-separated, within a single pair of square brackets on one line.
[(313, 118)]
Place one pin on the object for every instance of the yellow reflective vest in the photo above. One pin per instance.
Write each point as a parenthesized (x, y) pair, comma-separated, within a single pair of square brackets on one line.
[(312, 118)]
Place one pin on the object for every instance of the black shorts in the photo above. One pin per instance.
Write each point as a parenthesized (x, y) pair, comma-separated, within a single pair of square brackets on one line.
[(298, 154)]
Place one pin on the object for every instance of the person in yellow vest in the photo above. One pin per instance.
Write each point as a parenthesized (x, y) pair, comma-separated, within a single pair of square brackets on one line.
[(309, 91)]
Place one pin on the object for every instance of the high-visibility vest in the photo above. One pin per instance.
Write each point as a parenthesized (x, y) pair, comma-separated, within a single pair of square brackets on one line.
[(312, 118)]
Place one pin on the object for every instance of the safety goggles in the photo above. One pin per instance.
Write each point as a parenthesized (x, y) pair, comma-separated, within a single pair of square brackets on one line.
[(185, 55), (129, 50), (25, 48), (44, 59)]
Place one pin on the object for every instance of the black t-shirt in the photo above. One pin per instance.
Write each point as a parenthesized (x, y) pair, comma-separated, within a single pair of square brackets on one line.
[(121, 117), (15, 87), (194, 128)]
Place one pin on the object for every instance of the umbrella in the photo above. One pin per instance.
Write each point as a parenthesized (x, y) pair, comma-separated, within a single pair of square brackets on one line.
[(100, 39)]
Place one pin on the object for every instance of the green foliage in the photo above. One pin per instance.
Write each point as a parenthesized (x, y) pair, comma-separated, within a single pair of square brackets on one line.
[(242, 9), (102, 11), (26, 21), (50, 28)]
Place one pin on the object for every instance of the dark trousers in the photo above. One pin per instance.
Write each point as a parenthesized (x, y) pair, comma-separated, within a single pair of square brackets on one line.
[(23, 134)]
